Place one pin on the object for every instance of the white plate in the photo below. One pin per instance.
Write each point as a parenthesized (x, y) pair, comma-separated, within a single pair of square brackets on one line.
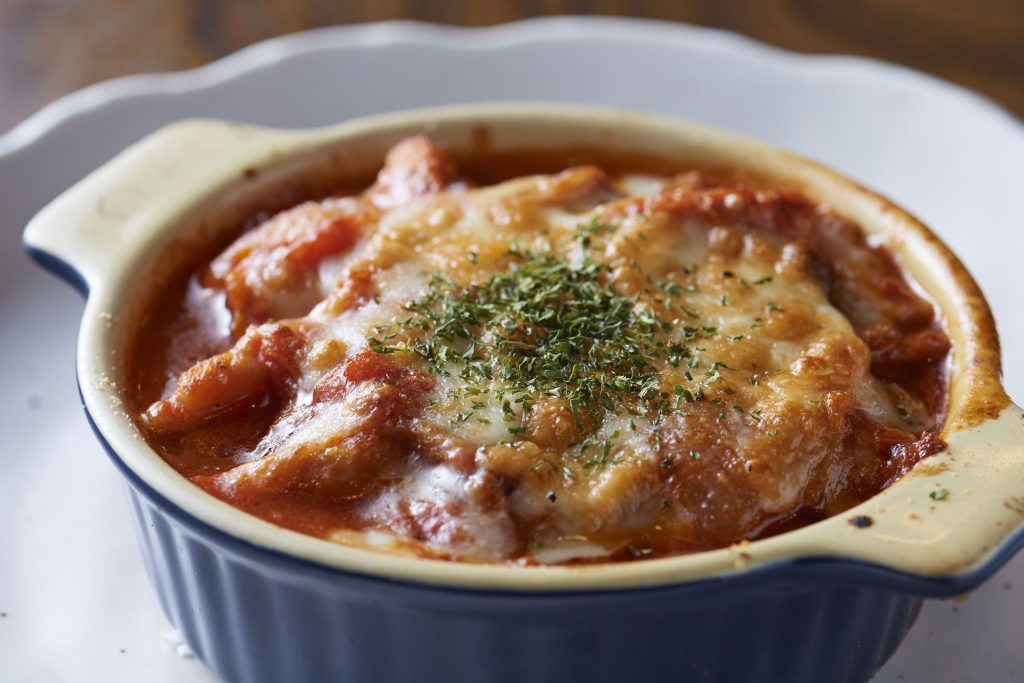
[(74, 602)]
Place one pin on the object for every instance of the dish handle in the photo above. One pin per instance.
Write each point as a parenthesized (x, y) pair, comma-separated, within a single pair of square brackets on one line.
[(88, 233), (951, 522)]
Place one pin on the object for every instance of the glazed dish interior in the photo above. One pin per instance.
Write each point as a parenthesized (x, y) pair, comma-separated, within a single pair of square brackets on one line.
[(541, 358)]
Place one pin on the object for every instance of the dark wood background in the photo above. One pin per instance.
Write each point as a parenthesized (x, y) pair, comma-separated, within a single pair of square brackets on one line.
[(50, 47)]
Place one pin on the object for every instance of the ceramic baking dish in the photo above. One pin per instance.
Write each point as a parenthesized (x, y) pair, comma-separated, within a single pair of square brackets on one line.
[(830, 601)]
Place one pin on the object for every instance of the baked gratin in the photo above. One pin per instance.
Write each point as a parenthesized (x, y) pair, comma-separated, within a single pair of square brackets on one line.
[(590, 365)]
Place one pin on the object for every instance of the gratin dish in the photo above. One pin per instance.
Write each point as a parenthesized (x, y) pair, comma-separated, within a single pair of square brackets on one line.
[(830, 601)]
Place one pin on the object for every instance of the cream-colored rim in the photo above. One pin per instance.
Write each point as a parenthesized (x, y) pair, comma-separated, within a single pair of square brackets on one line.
[(111, 226)]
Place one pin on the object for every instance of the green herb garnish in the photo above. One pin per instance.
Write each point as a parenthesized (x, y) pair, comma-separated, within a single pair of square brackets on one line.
[(544, 327)]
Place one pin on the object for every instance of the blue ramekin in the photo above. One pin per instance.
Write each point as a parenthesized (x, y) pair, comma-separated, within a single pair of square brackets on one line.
[(830, 602)]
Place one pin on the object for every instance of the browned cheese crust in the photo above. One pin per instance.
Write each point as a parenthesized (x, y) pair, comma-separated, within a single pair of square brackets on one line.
[(555, 368)]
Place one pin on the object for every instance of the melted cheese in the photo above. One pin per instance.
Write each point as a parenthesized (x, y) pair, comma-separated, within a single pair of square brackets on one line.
[(755, 426)]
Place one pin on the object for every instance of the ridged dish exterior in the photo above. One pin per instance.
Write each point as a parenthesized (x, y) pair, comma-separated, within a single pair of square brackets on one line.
[(255, 615)]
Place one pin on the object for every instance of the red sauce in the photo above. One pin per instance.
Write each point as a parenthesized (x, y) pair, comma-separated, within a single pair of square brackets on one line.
[(198, 334)]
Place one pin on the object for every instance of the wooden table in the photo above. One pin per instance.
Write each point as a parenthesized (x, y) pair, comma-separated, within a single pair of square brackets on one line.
[(48, 48)]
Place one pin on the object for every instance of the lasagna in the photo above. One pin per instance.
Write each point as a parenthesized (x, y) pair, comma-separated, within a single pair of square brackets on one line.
[(581, 366)]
